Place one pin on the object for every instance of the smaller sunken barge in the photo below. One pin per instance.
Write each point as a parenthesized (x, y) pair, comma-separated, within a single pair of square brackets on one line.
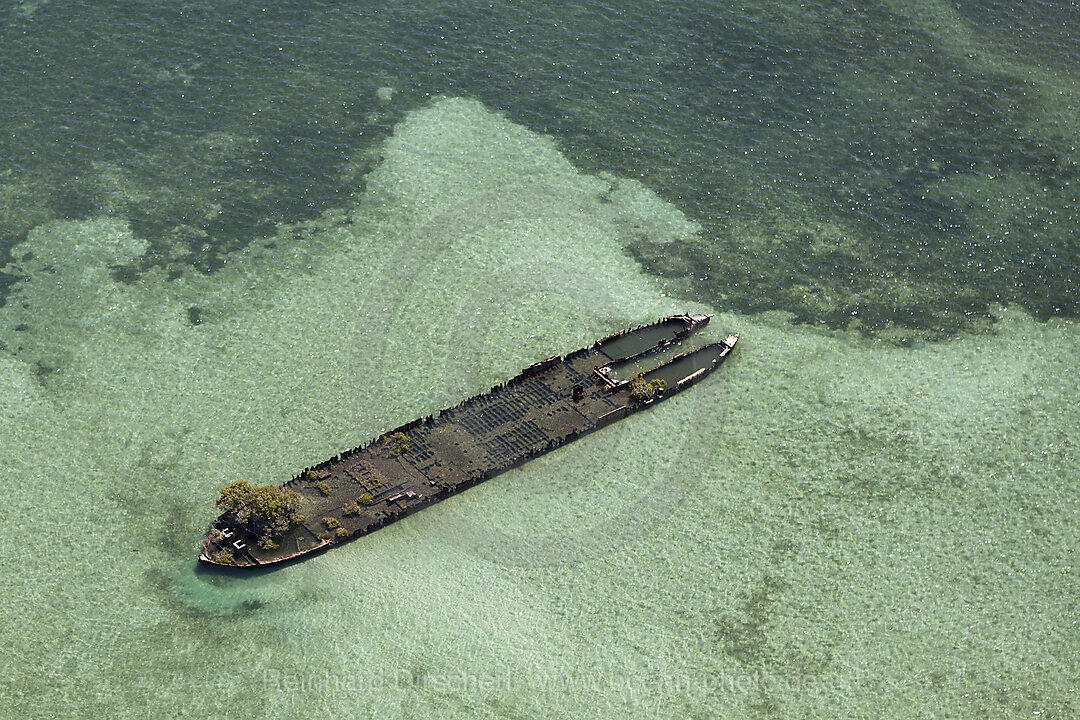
[(546, 405)]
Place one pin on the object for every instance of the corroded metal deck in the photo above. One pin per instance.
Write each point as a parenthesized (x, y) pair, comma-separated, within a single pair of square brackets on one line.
[(546, 405)]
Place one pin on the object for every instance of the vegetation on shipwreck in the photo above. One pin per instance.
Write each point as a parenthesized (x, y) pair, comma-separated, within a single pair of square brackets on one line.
[(642, 390), (397, 444), (264, 510)]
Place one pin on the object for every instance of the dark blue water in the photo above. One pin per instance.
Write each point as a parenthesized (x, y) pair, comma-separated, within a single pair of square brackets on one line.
[(903, 171)]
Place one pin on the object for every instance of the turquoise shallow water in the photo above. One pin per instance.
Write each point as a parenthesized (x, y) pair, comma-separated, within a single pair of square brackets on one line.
[(237, 242)]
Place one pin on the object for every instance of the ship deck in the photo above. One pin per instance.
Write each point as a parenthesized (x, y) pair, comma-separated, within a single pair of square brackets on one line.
[(546, 405)]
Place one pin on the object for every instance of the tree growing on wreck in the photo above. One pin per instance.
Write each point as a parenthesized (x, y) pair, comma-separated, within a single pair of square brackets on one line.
[(398, 444), (642, 390), (264, 510)]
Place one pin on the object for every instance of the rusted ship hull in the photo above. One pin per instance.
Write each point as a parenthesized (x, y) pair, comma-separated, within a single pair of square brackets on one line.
[(545, 406)]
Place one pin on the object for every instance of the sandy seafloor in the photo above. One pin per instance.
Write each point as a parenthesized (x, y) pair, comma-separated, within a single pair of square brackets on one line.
[(833, 525)]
